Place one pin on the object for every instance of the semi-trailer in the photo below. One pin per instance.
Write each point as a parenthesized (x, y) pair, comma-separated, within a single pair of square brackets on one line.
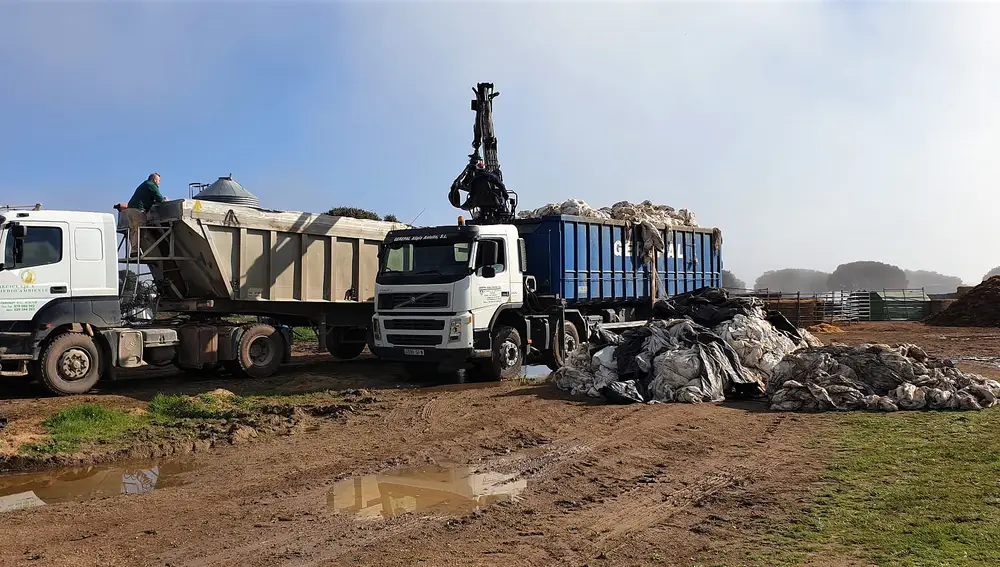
[(233, 278)]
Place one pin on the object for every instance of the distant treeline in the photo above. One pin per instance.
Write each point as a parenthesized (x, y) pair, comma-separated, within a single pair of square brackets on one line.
[(851, 276)]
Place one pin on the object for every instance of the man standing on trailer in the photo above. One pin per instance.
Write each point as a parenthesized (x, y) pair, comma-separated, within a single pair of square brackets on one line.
[(146, 195)]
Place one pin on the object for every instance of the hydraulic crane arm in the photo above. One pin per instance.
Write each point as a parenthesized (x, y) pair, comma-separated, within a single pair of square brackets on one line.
[(488, 199)]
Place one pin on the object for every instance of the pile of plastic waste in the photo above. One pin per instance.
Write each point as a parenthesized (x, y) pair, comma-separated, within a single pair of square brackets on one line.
[(875, 377), (701, 346), (636, 213)]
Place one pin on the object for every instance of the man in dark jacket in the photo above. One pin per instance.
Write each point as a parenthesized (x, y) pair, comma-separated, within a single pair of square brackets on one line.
[(145, 196)]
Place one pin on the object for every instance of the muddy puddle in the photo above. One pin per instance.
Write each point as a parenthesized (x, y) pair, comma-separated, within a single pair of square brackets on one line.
[(21, 491), (432, 491), (534, 373)]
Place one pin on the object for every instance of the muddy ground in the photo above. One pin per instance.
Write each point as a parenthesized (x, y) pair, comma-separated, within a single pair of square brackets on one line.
[(577, 482)]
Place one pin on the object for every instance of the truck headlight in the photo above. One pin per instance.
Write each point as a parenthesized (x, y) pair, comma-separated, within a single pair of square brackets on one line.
[(455, 332), (376, 329)]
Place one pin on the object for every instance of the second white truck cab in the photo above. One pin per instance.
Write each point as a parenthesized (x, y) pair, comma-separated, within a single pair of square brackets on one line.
[(449, 296)]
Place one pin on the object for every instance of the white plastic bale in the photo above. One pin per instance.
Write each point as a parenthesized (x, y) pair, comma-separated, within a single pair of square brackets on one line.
[(759, 345), (586, 374), (577, 374), (624, 211), (810, 339), (688, 375), (672, 371), (875, 377)]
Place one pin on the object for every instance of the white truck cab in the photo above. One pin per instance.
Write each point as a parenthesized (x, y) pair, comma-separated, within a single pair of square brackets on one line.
[(450, 295), (53, 258), (58, 275)]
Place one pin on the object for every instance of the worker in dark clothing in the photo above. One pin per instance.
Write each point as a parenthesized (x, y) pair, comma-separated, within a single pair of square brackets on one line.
[(146, 195)]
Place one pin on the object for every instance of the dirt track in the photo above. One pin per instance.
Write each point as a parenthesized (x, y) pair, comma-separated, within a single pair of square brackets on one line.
[(606, 485)]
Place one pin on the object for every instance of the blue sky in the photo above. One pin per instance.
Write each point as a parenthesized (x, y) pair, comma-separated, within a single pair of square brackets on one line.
[(811, 133)]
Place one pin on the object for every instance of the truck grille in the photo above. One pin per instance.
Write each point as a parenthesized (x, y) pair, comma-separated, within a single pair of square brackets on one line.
[(414, 324), (414, 340), (412, 300)]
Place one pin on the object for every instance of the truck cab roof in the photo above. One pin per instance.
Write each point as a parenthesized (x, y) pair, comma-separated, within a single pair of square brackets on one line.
[(55, 216)]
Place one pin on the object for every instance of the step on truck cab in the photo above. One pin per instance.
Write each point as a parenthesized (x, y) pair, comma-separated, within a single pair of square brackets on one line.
[(490, 298)]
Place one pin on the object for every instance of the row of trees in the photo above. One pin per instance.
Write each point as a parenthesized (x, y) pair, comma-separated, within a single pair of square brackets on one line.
[(356, 213), (850, 276)]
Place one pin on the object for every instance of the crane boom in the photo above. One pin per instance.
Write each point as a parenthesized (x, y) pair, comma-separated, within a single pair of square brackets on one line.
[(488, 201)]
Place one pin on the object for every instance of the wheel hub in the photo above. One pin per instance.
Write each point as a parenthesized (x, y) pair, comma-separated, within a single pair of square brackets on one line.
[(508, 354), (260, 351), (570, 343), (74, 364)]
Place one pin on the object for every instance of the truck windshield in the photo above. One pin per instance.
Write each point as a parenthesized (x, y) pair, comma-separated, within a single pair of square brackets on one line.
[(426, 261)]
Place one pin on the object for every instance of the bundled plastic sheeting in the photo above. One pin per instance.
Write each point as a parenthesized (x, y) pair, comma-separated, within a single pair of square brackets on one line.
[(623, 211), (703, 346), (574, 207), (708, 307), (758, 343), (676, 360), (875, 377)]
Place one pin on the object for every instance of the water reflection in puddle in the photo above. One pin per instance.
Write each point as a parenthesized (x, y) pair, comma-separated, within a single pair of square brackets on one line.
[(20, 491), (427, 490)]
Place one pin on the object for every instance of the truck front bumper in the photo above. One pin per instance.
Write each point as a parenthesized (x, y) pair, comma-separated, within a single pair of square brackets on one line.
[(442, 356)]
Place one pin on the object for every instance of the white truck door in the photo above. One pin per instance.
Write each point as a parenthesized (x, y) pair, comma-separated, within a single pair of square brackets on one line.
[(489, 293), (42, 277)]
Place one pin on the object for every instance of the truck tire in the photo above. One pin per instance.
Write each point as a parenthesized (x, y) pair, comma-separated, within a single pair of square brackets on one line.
[(343, 351), (259, 352), (70, 364), (571, 336), (507, 356)]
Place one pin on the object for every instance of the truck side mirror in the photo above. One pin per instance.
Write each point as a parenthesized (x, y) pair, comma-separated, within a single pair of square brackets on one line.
[(489, 272), (18, 232)]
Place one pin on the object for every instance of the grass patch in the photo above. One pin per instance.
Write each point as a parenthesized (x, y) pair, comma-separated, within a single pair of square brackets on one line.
[(907, 490), (85, 423), (210, 405), (304, 335)]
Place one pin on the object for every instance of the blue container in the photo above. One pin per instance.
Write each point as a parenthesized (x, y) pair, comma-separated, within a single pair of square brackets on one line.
[(599, 262)]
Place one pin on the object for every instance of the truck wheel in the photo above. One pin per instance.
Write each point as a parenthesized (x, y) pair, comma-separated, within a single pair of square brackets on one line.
[(343, 351), (507, 356), (70, 364), (571, 336), (259, 352)]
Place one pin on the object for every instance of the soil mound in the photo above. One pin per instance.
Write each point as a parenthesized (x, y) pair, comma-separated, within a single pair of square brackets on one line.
[(980, 307), (825, 328)]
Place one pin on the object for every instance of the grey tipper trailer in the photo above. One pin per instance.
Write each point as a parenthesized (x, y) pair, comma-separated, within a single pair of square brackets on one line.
[(296, 269)]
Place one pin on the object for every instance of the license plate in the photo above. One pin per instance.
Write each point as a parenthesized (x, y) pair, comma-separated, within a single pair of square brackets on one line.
[(413, 351)]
